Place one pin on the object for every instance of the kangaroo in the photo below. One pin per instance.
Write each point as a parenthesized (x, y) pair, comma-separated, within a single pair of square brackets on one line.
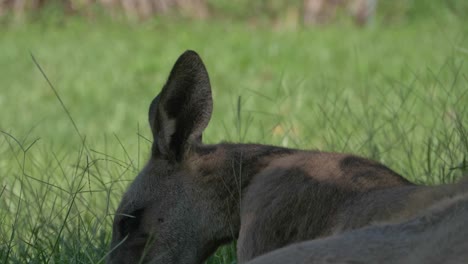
[(191, 198), (439, 235)]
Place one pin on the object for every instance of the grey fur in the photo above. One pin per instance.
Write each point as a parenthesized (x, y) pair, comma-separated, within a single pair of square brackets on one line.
[(438, 235), (191, 198)]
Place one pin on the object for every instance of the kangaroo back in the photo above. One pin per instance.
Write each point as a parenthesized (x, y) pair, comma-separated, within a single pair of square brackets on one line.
[(439, 235)]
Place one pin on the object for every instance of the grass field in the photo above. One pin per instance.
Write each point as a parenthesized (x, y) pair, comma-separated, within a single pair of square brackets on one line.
[(395, 93)]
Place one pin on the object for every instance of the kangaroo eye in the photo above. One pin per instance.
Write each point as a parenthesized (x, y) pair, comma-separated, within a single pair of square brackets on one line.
[(130, 222)]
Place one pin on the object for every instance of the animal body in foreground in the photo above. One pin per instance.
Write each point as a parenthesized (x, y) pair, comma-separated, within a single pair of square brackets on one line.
[(191, 197)]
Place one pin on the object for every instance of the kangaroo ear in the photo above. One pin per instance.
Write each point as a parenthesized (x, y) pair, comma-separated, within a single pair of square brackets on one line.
[(182, 110)]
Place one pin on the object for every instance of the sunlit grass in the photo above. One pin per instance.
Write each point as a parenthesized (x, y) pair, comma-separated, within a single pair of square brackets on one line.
[(396, 94)]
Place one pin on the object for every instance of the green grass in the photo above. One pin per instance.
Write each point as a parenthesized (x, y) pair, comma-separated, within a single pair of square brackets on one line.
[(397, 94)]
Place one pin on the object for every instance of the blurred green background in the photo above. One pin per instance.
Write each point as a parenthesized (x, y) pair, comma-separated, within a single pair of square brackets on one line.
[(391, 86)]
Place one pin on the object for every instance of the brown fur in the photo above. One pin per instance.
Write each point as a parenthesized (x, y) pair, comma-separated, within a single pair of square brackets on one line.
[(191, 198), (438, 235)]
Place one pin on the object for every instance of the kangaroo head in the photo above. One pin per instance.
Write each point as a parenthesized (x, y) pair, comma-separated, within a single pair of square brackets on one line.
[(162, 217)]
